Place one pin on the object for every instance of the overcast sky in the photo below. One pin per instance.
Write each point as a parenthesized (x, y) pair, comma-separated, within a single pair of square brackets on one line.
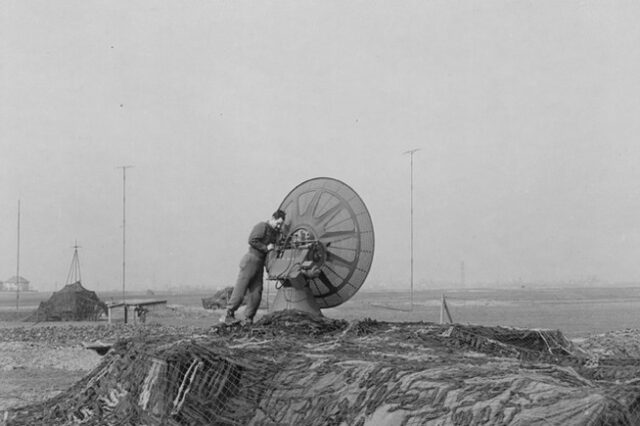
[(526, 114)]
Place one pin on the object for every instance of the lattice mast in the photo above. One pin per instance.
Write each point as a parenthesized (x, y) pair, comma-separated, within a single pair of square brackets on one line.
[(74, 275)]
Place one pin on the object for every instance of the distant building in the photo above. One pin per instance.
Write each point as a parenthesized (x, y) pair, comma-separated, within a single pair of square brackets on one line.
[(14, 283)]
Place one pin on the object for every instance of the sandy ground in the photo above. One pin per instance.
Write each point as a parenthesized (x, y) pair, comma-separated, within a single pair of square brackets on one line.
[(33, 371), (38, 361)]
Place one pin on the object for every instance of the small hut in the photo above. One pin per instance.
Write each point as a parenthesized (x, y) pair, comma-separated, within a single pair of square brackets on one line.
[(72, 303), (15, 283)]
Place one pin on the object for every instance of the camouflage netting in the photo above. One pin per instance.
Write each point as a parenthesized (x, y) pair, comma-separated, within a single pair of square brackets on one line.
[(290, 369), (72, 303)]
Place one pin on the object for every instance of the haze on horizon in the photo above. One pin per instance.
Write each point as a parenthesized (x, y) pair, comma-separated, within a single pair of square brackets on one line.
[(525, 114)]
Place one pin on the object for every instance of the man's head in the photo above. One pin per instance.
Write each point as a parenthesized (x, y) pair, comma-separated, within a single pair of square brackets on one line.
[(277, 219)]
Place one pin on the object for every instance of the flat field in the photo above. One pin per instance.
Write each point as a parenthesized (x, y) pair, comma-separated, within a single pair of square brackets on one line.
[(577, 312)]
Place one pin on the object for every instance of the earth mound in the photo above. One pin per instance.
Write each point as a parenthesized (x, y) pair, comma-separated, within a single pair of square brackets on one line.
[(291, 368), (72, 303)]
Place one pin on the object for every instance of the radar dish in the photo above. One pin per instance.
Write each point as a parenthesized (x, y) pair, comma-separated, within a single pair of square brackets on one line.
[(334, 215)]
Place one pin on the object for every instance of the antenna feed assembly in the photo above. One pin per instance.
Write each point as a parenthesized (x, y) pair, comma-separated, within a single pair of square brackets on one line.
[(297, 259), (326, 246)]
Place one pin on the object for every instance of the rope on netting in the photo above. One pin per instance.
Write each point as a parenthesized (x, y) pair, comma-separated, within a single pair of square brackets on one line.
[(220, 376), (97, 377), (541, 334), (184, 390), (149, 382)]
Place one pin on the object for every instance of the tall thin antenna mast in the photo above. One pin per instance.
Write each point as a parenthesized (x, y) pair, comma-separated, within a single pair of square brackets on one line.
[(74, 275), (411, 152), (124, 235), (18, 264)]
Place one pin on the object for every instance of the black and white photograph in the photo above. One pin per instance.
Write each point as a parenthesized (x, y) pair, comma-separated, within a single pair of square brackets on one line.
[(365, 213)]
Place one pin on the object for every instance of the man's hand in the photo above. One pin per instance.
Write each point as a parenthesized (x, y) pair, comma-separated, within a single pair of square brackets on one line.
[(270, 247)]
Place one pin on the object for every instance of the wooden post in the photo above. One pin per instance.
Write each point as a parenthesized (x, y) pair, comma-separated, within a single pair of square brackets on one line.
[(444, 309)]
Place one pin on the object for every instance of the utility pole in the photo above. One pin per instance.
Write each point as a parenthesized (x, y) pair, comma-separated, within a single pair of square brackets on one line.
[(124, 238), (411, 152), (18, 264)]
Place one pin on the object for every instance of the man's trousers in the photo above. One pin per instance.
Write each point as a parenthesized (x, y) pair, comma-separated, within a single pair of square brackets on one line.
[(250, 282)]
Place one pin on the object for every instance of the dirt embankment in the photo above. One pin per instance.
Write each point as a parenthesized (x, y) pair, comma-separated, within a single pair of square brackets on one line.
[(305, 371), (291, 369)]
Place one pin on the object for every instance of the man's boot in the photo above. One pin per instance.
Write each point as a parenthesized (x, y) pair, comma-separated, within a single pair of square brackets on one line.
[(229, 318)]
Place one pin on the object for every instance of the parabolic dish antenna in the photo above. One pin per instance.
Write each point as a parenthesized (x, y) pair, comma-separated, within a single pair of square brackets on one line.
[(327, 243)]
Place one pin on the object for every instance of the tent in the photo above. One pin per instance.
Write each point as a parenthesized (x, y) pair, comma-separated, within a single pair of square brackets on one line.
[(72, 303)]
